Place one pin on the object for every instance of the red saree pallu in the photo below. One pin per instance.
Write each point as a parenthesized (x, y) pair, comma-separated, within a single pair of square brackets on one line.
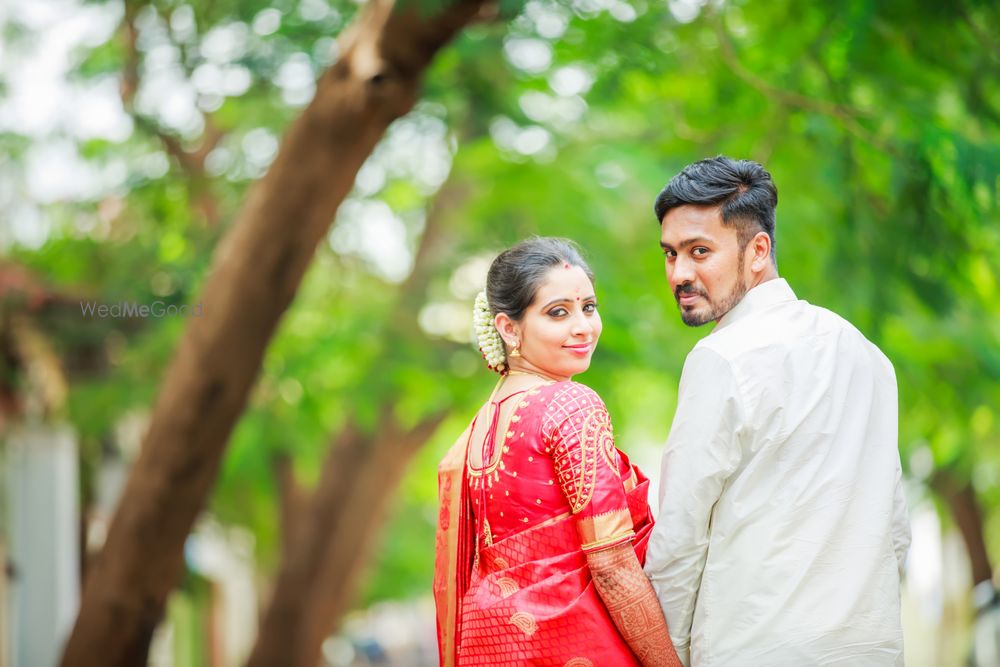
[(524, 595)]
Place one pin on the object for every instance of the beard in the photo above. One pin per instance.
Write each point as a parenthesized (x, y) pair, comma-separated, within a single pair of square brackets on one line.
[(714, 309)]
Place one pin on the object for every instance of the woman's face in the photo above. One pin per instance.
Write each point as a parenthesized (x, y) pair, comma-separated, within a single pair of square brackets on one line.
[(560, 328)]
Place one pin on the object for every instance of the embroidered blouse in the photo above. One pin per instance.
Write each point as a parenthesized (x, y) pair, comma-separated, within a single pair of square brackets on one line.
[(556, 457)]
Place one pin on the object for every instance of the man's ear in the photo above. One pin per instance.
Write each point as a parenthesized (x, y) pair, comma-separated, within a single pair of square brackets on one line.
[(760, 252), (508, 329)]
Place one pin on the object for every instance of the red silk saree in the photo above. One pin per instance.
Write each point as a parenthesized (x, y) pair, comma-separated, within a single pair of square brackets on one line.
[(511, 583)]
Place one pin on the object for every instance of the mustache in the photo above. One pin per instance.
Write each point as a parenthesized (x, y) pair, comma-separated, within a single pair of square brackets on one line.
[(688, 288)]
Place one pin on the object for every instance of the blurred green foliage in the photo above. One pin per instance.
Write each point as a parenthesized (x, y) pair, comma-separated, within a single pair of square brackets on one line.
[(879, 121)]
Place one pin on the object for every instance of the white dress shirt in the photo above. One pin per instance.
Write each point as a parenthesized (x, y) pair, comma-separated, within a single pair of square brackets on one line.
[(782, 528)]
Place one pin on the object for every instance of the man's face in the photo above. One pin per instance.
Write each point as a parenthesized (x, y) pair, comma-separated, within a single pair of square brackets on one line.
[(704, 263)]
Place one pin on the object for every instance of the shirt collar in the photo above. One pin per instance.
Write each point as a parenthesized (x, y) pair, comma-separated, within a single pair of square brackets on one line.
[(762, 296)]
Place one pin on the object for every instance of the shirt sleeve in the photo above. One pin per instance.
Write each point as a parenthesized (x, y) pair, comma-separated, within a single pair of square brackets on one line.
[(581, 441), (900, 525), (701, 454), (900, 528)]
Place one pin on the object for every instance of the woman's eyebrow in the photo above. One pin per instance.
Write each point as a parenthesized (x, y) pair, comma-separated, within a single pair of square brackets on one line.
[(566, 300)]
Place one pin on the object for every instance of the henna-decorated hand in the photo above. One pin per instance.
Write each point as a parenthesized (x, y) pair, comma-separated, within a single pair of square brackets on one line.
[(633, 605)]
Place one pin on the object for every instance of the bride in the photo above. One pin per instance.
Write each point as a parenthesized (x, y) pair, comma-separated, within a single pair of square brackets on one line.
[(543, 522)]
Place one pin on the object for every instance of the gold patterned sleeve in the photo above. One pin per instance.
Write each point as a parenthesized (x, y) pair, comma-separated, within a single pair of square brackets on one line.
[(581, 441), (632, 604)]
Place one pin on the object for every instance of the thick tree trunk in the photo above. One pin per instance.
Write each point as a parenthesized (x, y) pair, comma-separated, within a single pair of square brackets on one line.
[(317, 577), (255, 273), (968, 515)]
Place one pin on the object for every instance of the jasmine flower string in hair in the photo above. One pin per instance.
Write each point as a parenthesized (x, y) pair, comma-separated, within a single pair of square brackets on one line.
[(490, 343)]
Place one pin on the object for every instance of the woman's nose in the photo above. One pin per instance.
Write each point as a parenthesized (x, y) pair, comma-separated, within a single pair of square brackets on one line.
[(582, 325)]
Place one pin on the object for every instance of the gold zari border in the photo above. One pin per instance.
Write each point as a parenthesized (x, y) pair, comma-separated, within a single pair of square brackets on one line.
[(604, 529)]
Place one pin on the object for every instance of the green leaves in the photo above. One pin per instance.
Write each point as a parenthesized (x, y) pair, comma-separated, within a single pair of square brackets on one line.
[(561, 118)]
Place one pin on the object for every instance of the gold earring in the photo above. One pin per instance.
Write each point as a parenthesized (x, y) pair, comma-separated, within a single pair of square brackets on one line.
[(516, 352)]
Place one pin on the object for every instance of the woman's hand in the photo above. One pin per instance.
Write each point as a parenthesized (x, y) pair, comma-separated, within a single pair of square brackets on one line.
[(632, 604)]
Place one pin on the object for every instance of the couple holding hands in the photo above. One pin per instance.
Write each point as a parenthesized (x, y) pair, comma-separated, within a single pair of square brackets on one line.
[(782, 529)]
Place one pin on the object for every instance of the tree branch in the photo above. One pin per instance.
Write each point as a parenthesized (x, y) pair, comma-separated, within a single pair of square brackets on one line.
[(293, 500), (319, 574), (989, 45), (255, 273), (847, 115), (192, 162), (961, 499)]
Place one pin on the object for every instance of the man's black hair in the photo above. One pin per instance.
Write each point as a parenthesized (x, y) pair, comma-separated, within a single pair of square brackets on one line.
[(743, 190)]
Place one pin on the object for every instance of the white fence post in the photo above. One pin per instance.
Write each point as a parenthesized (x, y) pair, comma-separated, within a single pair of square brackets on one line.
[(43, 541)]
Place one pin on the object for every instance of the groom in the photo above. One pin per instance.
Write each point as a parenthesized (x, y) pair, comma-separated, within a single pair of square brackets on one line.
[(782, 529)]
